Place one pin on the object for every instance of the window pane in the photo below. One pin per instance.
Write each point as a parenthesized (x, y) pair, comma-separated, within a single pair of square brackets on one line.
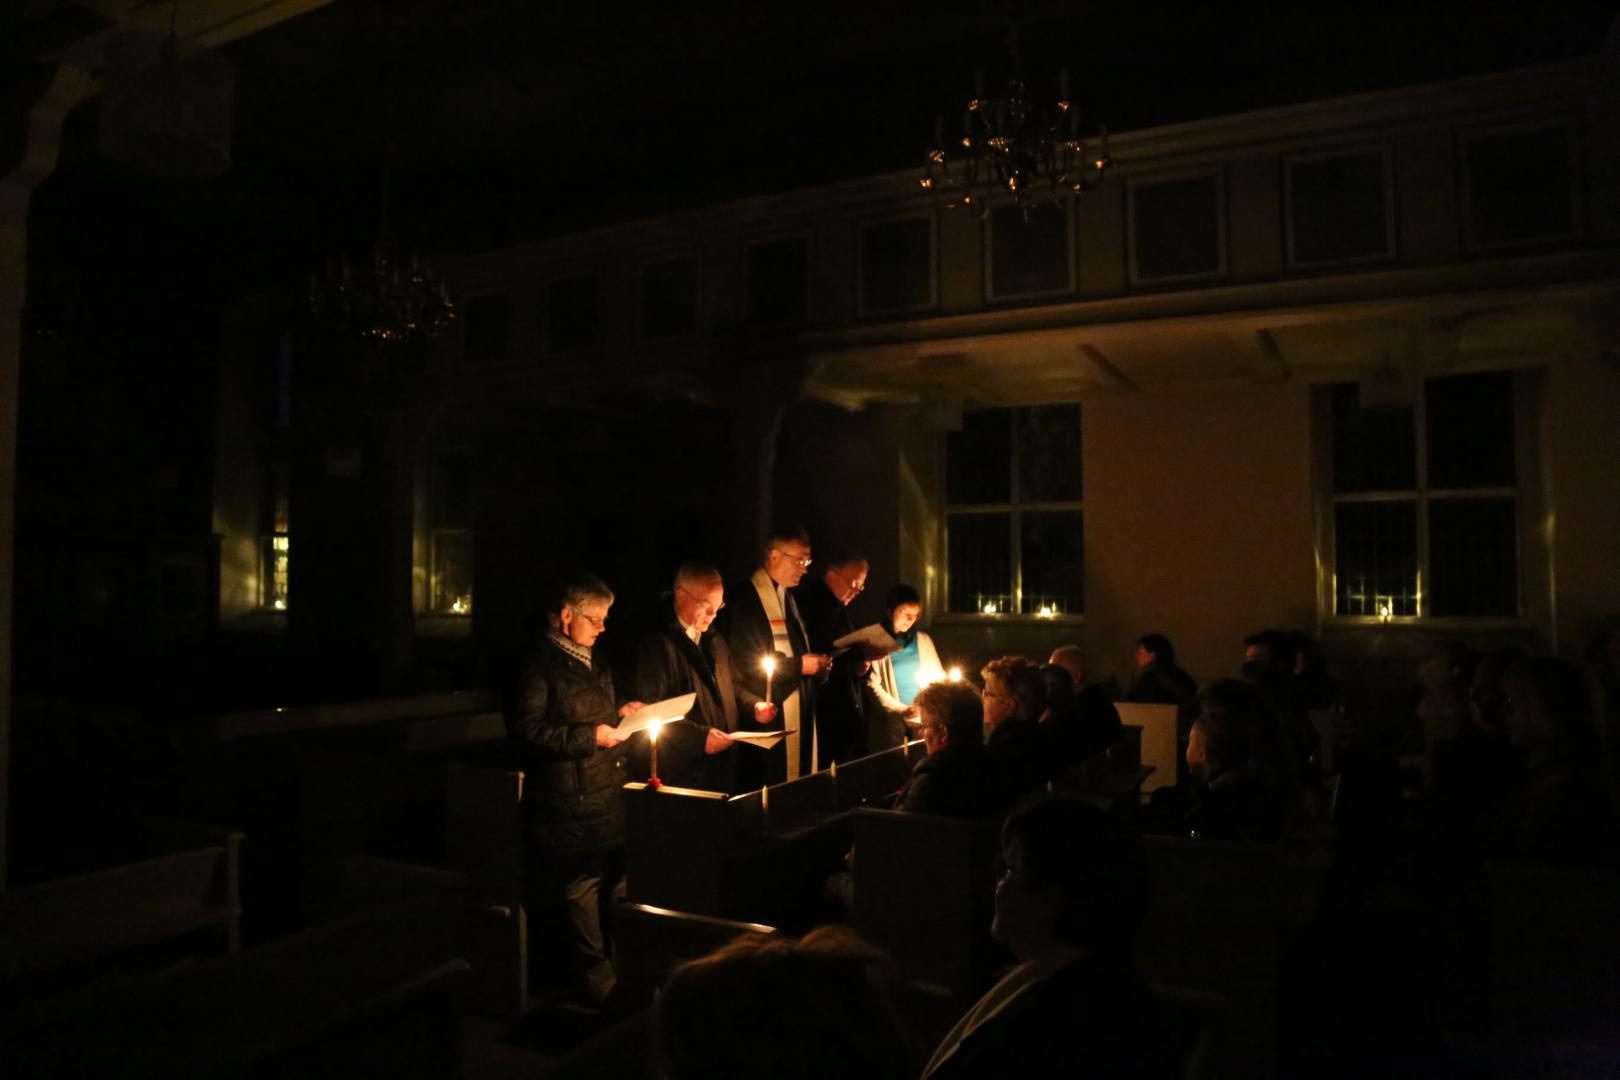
[(1473, 557), (485, 321), (777, 276), (1176, 227), (1373, 449), (452, 571), (1376, 557), (573, 314), (980, 561), (1470, 420), (1521, 186), (1051, 546), (978, 459), (1049, 453), (1029, 256), (897, 261), (669, 298), (1339, 208)]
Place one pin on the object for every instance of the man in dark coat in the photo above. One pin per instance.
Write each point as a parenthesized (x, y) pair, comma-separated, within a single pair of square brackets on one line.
[(562, 714), (762, 621), (841, 701), (683, 657)]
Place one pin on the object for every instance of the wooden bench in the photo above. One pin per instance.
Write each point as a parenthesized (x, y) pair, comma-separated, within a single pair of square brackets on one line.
[(1160, 741), (55, 932), (924, 890), (1221, 921), (366, 996)]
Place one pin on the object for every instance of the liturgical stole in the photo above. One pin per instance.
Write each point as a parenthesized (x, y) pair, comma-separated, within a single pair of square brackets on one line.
[(771, 601)]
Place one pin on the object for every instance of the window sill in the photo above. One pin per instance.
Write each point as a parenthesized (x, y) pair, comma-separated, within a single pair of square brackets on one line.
[(435, 624), (968, 618)]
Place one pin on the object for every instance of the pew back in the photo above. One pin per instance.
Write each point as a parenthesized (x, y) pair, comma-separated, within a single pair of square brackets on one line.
[(650, 941), (1160, 744), (924, 890)]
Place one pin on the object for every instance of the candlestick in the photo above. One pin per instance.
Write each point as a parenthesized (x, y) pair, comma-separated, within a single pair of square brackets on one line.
[(652, 734)]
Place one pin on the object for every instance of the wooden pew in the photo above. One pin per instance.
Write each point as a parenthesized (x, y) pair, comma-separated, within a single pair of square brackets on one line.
[(1160, 744), (366, 996), (650, 941), (924, 890), (55, 932), (760, 856), (1222, 918), (484, 840)]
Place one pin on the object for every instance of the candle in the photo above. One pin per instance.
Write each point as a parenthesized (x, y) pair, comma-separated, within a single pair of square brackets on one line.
[(955, 674), (769, 664), (765, 807), (652, 736)]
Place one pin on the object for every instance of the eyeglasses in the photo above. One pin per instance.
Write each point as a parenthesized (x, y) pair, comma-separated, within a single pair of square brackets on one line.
[(802, 560), (599, 623), (703, 605)]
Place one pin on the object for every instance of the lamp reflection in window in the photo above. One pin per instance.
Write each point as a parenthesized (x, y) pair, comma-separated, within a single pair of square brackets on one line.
[(273, 555)]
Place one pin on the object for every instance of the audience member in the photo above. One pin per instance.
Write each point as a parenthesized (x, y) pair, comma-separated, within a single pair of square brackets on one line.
[(1068, 906), (1158, 680), (809, 1009), (1013, 700), (955, 779), (1560, 813), (1076, 726)]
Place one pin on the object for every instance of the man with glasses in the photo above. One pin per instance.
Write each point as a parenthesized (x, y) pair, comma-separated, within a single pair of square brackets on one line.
[(761, 623), (841, 703), (684, 657)]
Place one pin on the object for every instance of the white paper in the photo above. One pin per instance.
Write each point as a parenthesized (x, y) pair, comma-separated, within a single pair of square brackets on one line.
[(873, 636), (762, 739), (674, 708)]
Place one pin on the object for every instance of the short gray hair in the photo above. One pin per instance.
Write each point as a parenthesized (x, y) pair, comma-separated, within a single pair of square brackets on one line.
[(576, 591)]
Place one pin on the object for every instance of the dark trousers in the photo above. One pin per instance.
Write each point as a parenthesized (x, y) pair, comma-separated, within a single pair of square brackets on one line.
[(571, 897)]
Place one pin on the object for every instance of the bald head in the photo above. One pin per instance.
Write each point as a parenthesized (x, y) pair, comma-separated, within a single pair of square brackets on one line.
[(1071, 658)]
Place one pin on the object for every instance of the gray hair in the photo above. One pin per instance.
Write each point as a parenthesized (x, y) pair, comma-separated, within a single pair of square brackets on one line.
[(695, 573), (576, 591)]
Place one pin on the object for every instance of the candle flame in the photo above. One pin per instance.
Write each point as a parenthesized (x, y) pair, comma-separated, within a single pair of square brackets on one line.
[(955, 674), (769, 664), (652, 729)]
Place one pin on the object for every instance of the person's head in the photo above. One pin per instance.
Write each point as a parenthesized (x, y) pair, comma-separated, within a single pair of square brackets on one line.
[(1059, 684), (1222, 737), (580, 611), (846, 576), (904, 605), (1074, 875), (823, 1003), (1071, 658), (1549, 705), (951, 714), (699, 595), (1154, 649), (787, 556), (1002, 680), (1487, 700)]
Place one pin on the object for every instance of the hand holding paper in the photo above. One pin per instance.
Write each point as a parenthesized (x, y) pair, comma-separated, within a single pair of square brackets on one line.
[(873, 639)]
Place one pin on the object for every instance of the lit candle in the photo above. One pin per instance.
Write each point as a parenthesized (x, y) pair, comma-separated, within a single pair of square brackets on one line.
[(769, 664), (955, 674), (989, 607), (652, 736)]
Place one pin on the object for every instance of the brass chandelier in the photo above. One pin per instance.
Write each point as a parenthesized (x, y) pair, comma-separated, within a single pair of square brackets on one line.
[(1014, 147)]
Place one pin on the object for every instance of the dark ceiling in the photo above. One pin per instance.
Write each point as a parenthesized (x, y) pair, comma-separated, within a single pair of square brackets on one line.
[(507, 120)]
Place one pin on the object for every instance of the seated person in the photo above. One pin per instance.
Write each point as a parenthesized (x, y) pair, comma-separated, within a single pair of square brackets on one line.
[(956, 778), (815, 1008), (1076, 726), (1158, 680), (1230, 793), (1068, 905), (1014, 697)]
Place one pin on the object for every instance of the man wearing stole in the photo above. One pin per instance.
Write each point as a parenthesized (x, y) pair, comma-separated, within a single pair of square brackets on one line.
[(763, 622)]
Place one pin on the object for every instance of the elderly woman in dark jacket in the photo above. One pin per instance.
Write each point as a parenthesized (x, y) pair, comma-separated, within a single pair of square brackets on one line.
[(564, 716)]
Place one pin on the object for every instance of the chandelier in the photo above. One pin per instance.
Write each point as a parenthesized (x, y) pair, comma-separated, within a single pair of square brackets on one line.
[(393, 299), (1014, 147)]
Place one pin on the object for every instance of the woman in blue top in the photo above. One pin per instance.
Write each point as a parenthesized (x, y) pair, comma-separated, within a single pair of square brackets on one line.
[(896, 678)]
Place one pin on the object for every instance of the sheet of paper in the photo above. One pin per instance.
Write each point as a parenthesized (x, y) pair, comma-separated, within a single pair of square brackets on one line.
[(872, 636), (659, 711), (762, 739)]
